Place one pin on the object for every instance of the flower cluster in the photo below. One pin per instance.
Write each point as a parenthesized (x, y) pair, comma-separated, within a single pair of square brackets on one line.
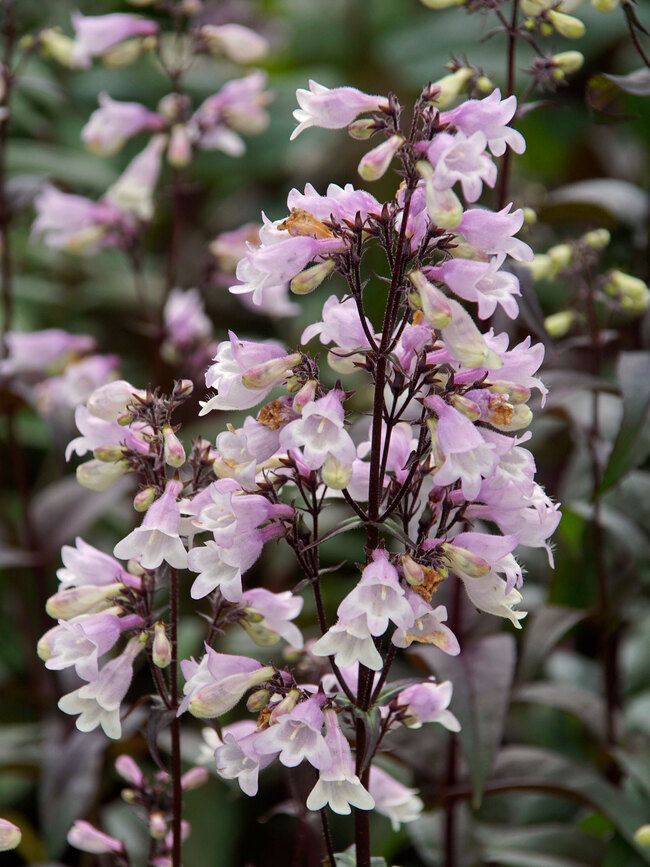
[(177, 129), (438, 478)]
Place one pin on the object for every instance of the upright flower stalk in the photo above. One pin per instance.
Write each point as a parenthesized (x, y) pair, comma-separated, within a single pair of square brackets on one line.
[(438, 461)]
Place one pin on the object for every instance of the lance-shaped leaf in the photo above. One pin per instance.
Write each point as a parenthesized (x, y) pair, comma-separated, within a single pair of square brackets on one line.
[(533, 769), (604, 91), (482, 676), (547, 626), (633, 440)]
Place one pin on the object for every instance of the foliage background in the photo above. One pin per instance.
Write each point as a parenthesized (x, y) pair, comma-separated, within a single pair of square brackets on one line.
[(557, 790)]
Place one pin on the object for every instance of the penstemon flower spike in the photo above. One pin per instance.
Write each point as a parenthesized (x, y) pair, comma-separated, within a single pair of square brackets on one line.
[(437, 459)]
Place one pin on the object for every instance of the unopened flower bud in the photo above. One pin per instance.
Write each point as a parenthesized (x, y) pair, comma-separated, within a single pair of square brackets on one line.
[(597, 239), (642, 835), (99, 476), (258, 700), (128, 769), (451, 86), (443, 206), (287, 704), (560, 255), (157, 825), (362, 129), (192, 7), (184, 388), (143, 499), (83, 836), (465, 561), (375, 163), (129, 796), (74, 601), (434, 304), (215, 699), (413, 572), (336, 474), (632, 293), (441, 4), (541, 268), (194, 779), (271, 372), (304, 395), (566, 25), (311, 278), (568, 61), (172, 107), (44, 644), (257, 631), (605, 5), (469, 408), (179, 153), (558, 324), (128, 52), (535, 7), (530, 217), (10, 835), (173, 448), (161, 649), (109, 454), (56, 45)]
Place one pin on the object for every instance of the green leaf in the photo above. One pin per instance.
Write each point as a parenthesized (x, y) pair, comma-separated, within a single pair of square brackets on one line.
[(567, 697), (546, 845), (547, 626), (603, 90), (523, 768), (482, 676), (605, 201), (633, 440)]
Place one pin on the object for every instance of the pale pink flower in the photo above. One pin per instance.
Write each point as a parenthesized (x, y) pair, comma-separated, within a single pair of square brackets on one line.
[(95, 34), (320, 431), (157, 538), (74, 223), (332, 108), (491, 117), (428, 702), (114, 122), (465, 456), (428, 627), (378, 597), (337, 784), (85, 837), (296, 736), (43, 352), (233, 359), (481, 282), (462, 158), (392, 799), (491, 232)]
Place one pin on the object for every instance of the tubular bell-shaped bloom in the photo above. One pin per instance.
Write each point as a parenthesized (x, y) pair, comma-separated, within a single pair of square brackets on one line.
[(109, 126), (337, 784), (491, 117), (157, 538), (392, 799), (320, 431), (95, 34), (378, 596), (332, 108), (296, 735)]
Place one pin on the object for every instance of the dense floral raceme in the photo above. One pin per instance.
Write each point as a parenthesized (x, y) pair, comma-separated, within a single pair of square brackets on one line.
[(436, 474)]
